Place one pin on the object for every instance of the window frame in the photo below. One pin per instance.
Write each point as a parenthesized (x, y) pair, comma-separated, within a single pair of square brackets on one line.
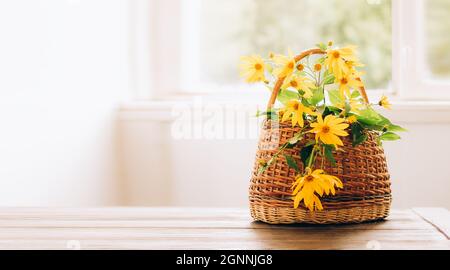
[(409, 54), (175, 44)]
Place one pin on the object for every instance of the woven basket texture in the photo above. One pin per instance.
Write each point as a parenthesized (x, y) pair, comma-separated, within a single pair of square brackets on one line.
[(366, 194)]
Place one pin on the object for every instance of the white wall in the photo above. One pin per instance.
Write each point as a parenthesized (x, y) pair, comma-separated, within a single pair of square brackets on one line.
[(202, 172), (63, 69)]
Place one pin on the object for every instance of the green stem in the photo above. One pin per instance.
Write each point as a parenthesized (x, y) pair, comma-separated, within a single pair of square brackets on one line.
[(312, 158)]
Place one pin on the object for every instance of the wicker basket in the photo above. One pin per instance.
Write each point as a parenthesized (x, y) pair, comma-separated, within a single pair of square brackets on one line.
[(366, 194)]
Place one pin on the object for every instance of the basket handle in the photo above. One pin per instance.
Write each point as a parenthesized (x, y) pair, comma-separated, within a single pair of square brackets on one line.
[(279, 83)]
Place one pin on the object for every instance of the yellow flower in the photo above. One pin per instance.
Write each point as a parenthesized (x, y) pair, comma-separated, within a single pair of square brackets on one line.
[(286, 65), (351, 119), (354, 104), (384, 102), (346, 83), (310, 185), (252, 68), (336, 60), (295, 110), (299, 83), (329, 129), (271, 55)]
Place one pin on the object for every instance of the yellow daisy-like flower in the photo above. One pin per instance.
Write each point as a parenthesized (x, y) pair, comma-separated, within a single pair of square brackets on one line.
[(329, 129), (294, 110), (384, 102), (286, 65), (336, 60), (300, 83), (348, 82), (252, 68), (310, 185)]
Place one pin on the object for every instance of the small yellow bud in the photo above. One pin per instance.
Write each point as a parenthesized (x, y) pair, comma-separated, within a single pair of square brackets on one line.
[(351, 119), (317, 67), (262, 162)]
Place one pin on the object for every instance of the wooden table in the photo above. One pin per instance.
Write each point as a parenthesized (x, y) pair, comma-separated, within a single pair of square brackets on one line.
[(209, 228)]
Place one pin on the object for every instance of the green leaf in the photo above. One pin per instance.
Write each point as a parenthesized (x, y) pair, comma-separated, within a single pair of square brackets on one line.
[(272, 115), (355, 94), (317, 97), (329, 154), (334, 109), (321, 60), (372, 118), (291, 163), (389, 136), (360, 140), (285, 95), (322, 46), (327, 111), (296, 138), (358, 135), (305, 154), (329, 79), (395, 128), (335, 97)]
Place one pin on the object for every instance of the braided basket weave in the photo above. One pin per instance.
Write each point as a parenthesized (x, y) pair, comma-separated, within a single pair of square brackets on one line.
[(366, 194)]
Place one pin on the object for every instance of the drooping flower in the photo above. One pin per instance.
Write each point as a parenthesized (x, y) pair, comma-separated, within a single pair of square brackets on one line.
[(338, 60), (312, 185), (384, 102), (294, 110), (252, 68), (286, 65), (347, 82), (354, 105), (329, 129), (300, 83)]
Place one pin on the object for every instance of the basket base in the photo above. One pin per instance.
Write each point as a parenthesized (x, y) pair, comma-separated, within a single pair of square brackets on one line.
[(285, 215)]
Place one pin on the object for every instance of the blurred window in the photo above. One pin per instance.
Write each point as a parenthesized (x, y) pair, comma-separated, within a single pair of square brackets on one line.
[(437, 38), (228, 29)]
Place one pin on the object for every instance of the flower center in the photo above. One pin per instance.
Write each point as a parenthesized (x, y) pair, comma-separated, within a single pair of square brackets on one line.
[(325, 129), (300, 67), (293, 83), (291, 65), (317, 67), (336, 54), (258, 66), (296, 106), (309, 178), (344, 81)]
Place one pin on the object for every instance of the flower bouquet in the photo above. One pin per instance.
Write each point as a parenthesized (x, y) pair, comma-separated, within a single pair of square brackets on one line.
[(320, 157)]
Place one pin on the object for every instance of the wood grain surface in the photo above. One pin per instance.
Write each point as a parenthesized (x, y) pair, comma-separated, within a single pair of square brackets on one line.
[(211, 228)]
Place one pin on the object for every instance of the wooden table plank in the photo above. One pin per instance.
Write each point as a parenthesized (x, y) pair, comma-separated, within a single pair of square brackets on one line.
[(438, 217), (207, 228), (226, 245)]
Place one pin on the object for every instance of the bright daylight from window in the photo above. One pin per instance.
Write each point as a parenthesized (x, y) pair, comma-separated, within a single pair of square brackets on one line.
[(437, 37), (236, 27)]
